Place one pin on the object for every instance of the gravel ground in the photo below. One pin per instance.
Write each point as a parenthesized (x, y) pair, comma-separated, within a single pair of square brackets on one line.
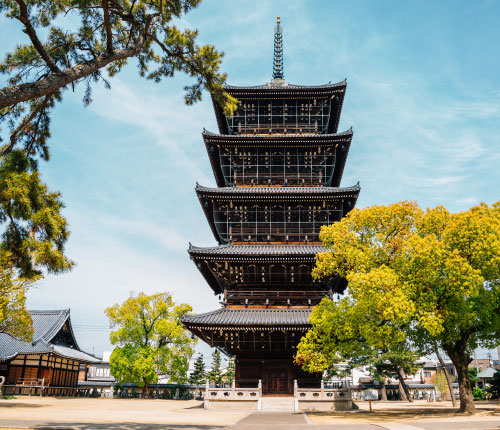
[(84, 410), (418, 411)]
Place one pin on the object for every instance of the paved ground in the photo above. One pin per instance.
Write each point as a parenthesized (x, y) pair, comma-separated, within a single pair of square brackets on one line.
[(135, 414)]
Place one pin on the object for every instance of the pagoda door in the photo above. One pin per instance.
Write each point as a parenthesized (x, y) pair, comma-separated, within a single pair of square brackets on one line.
[(278, 381)]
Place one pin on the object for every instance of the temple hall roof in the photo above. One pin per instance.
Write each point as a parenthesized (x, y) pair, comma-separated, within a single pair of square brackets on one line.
[(46, 325), (254, 319)]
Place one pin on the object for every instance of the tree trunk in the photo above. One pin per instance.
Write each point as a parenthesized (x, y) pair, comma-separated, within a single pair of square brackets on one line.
[(145, 391), (383, 391), (403, 388), (448, 378), (466, 397)]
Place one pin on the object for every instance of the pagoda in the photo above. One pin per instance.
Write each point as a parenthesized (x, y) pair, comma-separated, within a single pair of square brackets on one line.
[(278, 163)]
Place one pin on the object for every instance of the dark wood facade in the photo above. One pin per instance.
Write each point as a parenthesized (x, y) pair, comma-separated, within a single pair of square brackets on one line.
[(278, 163), (52, 360)]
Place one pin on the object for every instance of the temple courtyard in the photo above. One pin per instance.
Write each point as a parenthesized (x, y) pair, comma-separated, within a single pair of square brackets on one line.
[(137, 414)]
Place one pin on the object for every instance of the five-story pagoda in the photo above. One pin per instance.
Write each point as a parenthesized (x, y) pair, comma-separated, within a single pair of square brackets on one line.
[(278, 162)]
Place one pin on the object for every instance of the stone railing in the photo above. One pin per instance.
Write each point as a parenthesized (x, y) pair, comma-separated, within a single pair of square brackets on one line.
[(336, 396), (244, 398)]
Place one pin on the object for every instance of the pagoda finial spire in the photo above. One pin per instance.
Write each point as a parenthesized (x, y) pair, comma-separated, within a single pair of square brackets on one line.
[(278, 51)]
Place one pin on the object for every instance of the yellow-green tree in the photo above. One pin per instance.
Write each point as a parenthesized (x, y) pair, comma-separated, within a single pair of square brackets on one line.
[(15, 320), (150, 340), (429, 274)]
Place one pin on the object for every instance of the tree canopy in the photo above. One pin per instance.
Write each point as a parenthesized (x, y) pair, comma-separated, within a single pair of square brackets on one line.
[(15, 320), (198, 375), (430, 275), (150, 340), (70, 43), (74, 42), (215, 373)]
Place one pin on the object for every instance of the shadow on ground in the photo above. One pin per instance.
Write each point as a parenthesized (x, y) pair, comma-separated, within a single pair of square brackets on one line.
[(111, 426), (406, 414), (20, 405)]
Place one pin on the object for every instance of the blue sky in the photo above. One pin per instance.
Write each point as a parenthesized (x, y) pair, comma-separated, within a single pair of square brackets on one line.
[(423, 99)]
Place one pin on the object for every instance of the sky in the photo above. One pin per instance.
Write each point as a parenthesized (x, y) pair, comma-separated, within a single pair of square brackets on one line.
[(423, 98)]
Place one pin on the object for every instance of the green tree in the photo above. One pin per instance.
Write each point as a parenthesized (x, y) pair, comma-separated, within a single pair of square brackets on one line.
[(442, 384), (423, 274), (70, 43), (215, 373), (15, 320), (344, 331), (150, 339), (473, 375), (99, 38), (198, 376), (230, 371), (35, 232), (494, 385)]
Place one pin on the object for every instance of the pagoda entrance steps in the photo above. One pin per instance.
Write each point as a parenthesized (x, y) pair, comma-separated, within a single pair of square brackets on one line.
[(278, 404)]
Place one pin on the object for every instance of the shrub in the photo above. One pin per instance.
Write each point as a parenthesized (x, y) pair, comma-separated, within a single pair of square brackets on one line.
[(477, 393)]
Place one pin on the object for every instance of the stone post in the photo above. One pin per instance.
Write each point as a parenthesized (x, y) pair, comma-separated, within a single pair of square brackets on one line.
[(206, 402)]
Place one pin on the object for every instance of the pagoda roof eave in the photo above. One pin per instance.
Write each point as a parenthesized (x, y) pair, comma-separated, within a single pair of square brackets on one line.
[(261, 252), (280, 138), (250, 319), (278, 192), (287, 87)]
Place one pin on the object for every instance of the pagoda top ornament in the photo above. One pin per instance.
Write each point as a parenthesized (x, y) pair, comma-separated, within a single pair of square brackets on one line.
[(278, 77)]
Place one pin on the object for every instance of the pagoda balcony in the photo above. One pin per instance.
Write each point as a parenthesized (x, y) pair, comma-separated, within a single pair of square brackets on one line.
[(292, 160), (276, 298), (269, 109), (259, 268), (274, 214)]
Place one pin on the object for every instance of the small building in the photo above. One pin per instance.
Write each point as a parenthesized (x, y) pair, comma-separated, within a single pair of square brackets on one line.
[(97, 376), (430, 367), (481, 364), (486, 375), (49, 364)]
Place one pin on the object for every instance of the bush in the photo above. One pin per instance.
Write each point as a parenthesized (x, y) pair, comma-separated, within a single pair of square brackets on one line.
[(477, 393)]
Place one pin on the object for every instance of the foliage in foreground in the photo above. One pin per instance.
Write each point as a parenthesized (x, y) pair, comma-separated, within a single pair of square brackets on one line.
[(150, 340), (71, 43), (15, 320), (423, 277), (35, 231)]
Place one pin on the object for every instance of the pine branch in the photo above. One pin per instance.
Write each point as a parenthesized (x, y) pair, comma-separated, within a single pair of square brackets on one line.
[(13, 94), (30, 31)]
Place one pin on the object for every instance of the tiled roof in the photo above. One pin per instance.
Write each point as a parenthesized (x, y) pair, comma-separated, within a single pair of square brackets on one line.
[(258, 319), (277, 137), (489, 372), (288, 86), (341, 191), (46, 324), (257, 250)]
